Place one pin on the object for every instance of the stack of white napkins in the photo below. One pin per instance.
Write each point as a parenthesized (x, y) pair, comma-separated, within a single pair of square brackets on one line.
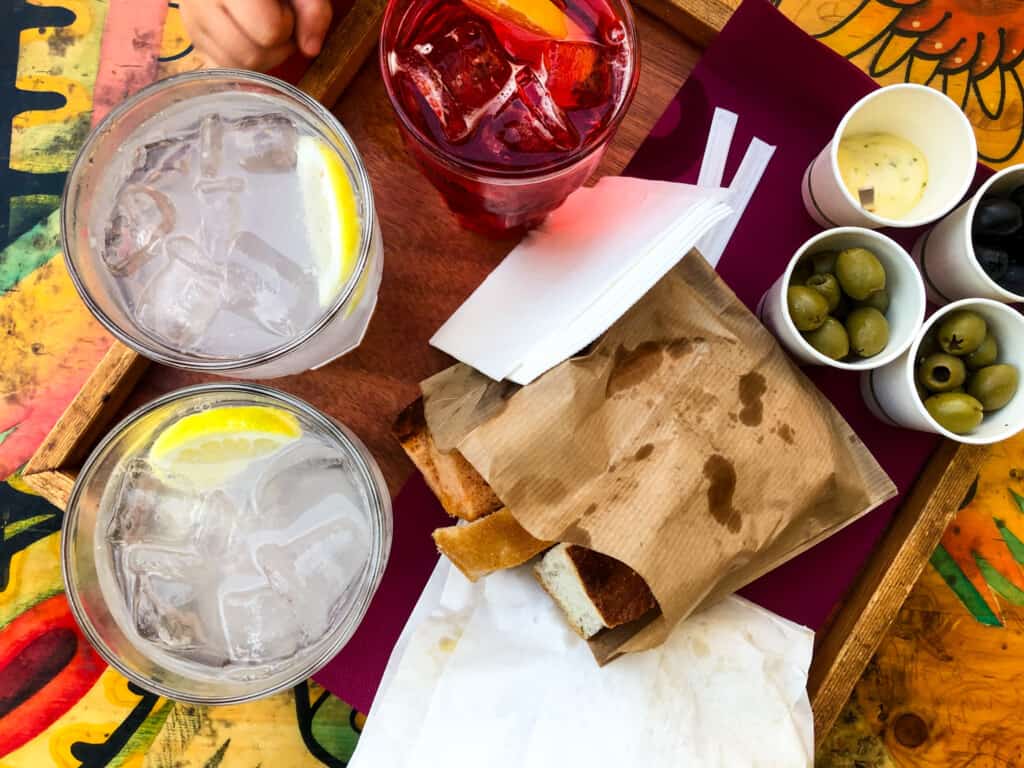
[(488, 674), (570, 279)]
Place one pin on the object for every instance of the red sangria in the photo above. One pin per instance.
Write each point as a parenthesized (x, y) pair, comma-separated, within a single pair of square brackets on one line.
[(507, 105)]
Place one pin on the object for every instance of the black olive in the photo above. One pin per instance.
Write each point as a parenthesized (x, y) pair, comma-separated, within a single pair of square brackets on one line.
[(1018, 196), (995, 217), (1013, 280), (994, 261)]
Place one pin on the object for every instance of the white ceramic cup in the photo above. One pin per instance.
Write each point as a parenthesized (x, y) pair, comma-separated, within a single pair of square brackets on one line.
[(903, 281), (925, 117), (946, 255), (891, 394)]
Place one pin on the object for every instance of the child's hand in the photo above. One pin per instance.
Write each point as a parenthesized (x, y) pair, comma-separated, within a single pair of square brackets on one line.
[(255, 34)]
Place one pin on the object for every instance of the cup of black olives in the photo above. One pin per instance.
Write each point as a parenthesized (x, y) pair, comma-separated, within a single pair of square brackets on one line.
[(960, 378), (978, 250), (850, 298)]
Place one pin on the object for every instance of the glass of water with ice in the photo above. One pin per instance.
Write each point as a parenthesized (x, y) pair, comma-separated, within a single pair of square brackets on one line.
[(223, 542), (223, 221)]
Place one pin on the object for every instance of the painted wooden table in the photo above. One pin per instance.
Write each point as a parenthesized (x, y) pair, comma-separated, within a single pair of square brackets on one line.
[(939, 691)]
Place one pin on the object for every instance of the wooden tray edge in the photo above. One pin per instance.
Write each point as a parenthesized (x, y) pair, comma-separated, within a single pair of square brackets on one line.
[(886, 580)]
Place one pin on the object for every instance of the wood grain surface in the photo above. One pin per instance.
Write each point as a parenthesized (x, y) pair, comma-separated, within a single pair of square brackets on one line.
[(430, 264), (856, 631)]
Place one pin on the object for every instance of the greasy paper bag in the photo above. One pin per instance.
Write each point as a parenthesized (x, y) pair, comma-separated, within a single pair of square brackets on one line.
[(685, 444)]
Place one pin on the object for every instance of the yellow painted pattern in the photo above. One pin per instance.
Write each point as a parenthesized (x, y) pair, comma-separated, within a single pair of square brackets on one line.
[(35, 576), (63, 60), (92, 719)]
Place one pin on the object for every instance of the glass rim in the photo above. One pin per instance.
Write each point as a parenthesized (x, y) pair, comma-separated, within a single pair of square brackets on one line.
[(344, 630), (185, 360), (511, 176)]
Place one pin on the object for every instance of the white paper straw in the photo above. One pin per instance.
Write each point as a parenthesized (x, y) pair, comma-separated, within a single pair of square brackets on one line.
[(751, 169), (712, 167)]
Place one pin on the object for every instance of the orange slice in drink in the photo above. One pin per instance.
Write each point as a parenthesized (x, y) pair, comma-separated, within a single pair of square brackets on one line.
[(542, 17)]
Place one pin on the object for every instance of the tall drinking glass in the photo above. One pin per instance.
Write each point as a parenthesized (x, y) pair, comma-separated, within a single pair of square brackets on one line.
[(223, 221), (507, 107), (224, 542)]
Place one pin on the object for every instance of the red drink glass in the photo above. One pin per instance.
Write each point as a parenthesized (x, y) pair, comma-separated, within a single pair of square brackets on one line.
[(507, 105)]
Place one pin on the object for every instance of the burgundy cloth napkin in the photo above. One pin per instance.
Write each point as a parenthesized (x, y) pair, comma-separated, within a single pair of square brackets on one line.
[(790, 91)]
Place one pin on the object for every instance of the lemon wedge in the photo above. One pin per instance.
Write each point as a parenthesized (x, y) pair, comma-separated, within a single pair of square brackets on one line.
[(209, 447), (332, 215)]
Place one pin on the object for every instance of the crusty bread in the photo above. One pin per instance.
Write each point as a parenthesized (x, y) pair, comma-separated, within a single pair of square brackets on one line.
[(593, 590), (490, 544), (459, 487)]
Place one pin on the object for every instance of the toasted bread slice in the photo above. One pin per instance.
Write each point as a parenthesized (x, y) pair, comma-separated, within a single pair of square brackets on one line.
[(490, 544), (459, 487), (593, 590)]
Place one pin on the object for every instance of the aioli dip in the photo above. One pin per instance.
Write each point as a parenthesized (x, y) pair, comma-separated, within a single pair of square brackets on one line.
[(894, 168)]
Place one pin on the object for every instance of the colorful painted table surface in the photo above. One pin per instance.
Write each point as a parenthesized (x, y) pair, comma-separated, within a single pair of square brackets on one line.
[(931, 697)]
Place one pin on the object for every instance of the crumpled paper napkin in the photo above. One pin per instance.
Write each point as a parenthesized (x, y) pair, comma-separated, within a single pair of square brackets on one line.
[(489, 674)]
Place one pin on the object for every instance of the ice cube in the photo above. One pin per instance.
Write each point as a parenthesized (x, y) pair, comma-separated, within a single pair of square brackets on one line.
[(266, 287), (160, 161), (531, 121), (216, 531), (211, 145), (460, 74), (315, 570), (147, 510), (220, 213), (164, 562), (579, 75), (179, 304), (259, 625), (278, 501), (471, 63), (417, 76), (141, 216), (265, 143), (180, 617)]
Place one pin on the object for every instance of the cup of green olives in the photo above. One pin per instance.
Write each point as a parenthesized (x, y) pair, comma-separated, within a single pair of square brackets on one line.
[(960, 378), (850, 298), (977, 251)]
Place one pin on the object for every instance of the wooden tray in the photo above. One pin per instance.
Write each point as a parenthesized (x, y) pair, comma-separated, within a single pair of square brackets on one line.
[(431, 265)]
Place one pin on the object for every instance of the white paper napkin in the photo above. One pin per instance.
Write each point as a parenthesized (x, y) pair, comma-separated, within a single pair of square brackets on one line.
[(590, 261), (494, 677)]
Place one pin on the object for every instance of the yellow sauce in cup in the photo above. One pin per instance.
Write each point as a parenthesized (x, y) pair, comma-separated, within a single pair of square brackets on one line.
[(892, 167)]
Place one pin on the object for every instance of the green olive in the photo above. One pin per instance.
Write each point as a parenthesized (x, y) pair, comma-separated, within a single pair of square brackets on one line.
[(879, 300), (868, 330), (860, 273), (984, 355), (929, 346), (941, 372), (827, 286), (824, 263), (802, 272), (830, 339), (807, 307), (962, 332), (955, 411), (993, 386)]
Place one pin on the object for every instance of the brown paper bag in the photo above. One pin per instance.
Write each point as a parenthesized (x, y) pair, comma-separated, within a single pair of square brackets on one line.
[(685, 444)]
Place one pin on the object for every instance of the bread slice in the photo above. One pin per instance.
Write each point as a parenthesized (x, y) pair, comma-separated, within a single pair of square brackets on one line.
[(459, 487), (490, 544), (593, 590)]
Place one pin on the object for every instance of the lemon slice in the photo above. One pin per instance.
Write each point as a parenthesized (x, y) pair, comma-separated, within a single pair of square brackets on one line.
[(209, 447), (332, 215), (542, 17)]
